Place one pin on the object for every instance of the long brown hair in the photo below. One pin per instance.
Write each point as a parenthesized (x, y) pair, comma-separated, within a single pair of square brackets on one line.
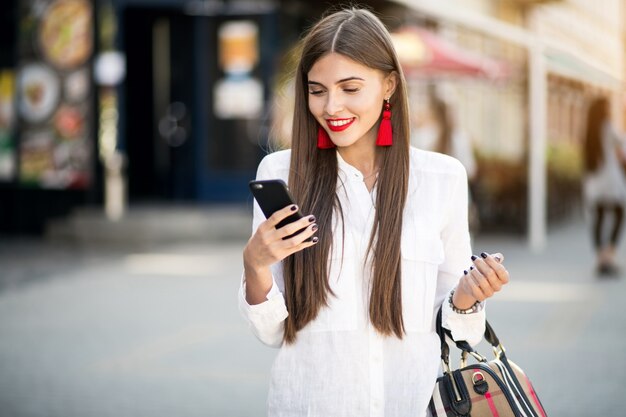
[(598, 113), (360, 36)]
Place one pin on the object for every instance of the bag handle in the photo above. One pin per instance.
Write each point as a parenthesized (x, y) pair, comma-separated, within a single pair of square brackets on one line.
[(445, 349), (490, 336)]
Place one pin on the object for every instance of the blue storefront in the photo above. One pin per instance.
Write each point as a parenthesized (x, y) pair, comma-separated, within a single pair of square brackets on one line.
[(195, 126)]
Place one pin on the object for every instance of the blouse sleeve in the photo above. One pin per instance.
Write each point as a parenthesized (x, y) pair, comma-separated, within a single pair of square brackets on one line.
[(457, 249), (266, 320)]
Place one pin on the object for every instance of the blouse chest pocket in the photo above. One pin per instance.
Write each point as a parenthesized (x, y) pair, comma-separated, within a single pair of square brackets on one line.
[(422, 253)]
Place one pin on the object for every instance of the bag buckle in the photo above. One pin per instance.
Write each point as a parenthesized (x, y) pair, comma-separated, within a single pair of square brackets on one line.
[(476, 355)]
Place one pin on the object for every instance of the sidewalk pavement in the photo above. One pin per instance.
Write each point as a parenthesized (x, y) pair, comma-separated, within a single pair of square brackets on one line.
[(155, 331)]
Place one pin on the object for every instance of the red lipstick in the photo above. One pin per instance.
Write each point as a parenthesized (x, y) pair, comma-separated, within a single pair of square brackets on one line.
[(337, 125)]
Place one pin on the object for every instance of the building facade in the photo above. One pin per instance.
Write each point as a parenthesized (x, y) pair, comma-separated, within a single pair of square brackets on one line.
[(178, 97)]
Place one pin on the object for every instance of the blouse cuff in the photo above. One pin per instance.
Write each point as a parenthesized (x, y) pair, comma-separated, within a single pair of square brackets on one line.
[(267, 313), (468, 327)]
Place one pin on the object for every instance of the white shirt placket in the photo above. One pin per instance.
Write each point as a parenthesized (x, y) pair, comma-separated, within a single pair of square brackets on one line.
[(358, 192)]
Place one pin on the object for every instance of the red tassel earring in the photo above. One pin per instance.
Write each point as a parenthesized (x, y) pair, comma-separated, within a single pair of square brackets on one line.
[(323, 140), (385, 134)]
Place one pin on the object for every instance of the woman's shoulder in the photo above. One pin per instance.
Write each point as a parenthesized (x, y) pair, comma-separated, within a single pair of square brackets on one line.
[(275, 164), (422, 161), (278, 157)]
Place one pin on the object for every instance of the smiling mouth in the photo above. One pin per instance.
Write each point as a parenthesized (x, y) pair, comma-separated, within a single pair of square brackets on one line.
[(337, 125)]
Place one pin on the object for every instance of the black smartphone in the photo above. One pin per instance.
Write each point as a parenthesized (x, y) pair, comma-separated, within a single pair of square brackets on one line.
[(274, 195)]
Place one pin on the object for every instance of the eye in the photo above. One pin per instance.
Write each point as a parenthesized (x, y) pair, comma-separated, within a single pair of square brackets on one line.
[(352, 90), (316, 92)]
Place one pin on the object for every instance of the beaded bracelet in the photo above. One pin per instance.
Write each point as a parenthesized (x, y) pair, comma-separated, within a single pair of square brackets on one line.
[(472, 309)]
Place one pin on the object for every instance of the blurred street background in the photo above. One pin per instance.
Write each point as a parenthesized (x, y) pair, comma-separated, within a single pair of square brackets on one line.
[(129, 130), (153, 330)]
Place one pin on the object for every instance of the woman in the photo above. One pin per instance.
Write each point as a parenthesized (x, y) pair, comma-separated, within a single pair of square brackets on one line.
[(604, 183), (452, 140), (353, 309), (444, 135)]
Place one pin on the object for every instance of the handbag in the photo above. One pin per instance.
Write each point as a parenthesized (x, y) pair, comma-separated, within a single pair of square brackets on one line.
[(487, 388)]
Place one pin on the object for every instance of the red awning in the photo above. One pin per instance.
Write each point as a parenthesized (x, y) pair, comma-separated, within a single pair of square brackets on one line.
[(423, 53)]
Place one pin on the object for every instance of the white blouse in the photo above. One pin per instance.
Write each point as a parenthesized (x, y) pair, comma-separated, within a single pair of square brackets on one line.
[(340, 365)]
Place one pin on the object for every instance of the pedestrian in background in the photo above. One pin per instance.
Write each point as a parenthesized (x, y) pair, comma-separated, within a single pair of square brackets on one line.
[(351, 300), (452, 139), (604, 185), (441, 132)]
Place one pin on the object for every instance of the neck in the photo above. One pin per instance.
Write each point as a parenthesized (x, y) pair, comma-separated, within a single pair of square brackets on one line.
[(363, 156)]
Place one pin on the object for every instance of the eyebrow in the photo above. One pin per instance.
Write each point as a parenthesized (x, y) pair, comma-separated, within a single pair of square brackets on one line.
[(343, 80)]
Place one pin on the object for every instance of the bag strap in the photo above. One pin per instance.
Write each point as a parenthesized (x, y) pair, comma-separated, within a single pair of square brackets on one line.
[(445, 349), (490, 336)]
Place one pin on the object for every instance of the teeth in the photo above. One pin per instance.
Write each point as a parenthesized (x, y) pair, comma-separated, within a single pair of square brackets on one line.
[(339, 122)]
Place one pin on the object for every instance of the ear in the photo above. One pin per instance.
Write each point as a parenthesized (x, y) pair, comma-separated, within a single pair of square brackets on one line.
[(391, 82)]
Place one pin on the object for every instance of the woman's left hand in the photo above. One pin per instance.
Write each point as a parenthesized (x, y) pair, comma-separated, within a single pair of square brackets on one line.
[(481, 281)]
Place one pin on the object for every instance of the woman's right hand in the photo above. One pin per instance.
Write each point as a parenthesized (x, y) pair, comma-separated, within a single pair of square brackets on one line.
[(267, 246)]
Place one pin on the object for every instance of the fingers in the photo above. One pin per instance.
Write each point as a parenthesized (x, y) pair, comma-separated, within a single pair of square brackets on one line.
[(472, 284), (300, 241), (269, 245), (291, 228), (283, 247), (487, 276), (301, 237), (497, 256), (280, 215), (286, 231)]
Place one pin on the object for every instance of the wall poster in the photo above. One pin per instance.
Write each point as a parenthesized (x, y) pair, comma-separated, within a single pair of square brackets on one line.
[(7, 125), (54, 93)]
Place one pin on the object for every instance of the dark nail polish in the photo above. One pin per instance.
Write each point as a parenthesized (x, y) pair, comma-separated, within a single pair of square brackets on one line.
[(312, 219), (474, 257), (484, 255), (465, 272), (314, 228), (471, 268), (315, 239), (294, 208)]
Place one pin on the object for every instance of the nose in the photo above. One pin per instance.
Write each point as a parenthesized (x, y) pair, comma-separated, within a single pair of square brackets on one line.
[(333, 104)]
